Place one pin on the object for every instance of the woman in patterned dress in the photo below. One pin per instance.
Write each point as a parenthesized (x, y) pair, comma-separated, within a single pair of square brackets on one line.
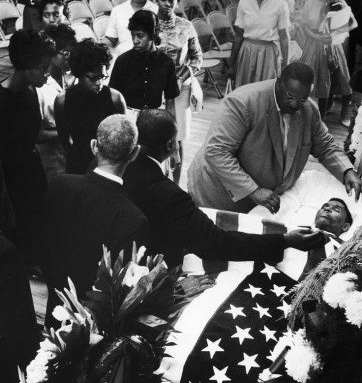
[(179, 40)]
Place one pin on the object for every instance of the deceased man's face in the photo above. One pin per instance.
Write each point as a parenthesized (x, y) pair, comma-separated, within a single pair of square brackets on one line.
[(332, 217)]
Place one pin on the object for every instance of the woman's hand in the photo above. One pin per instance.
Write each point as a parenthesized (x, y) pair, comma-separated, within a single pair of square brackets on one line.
[(325, 38)]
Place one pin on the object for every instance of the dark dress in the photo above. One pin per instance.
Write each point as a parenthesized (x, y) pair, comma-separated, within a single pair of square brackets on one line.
[(83, 113), (23, 170), (19, 335)]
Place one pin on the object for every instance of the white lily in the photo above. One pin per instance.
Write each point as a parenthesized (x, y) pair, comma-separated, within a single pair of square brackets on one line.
[(134, 273)]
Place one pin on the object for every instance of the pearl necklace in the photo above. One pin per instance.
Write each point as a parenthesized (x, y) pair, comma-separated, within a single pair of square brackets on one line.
[(168, 24)]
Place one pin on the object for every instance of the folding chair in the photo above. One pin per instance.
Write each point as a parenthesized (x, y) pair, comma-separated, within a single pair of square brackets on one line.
[(192, 9), (100, 26), (79, 12), (211, 60), (19, 23), (8, 11), (222, 30), (20, 8), (230, 13), (83, 31), (100, 7)]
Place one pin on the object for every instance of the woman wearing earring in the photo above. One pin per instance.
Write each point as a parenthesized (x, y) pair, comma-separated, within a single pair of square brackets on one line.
[(144, 74), (79, 109), (179, 41)]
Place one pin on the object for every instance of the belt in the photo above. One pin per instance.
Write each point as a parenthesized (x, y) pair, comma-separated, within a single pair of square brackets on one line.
[(259, 42)]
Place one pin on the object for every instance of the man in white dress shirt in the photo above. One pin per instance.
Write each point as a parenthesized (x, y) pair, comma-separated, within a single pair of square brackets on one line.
[(117, 34)]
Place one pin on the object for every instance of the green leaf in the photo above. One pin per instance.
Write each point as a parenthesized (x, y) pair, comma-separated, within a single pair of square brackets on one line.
[(151, 321), (118, 265)]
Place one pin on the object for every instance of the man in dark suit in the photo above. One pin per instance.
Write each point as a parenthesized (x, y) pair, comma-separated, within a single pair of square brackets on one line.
[(83, 212), (177, 225)]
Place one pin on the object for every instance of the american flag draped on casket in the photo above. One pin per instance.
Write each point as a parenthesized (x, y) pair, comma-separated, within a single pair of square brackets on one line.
[(227, 333)]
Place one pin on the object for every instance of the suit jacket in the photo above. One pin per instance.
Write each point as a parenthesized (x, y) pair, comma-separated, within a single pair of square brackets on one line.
[(80, 214), (19, 335), (179, 227), (243, 149)]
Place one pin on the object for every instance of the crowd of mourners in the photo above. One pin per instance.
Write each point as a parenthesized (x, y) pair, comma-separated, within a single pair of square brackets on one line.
[(92, 141)]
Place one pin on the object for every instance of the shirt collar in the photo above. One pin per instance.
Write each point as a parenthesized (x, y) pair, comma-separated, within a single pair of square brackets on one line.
[(157, 162), (275, 99), (109, 176)]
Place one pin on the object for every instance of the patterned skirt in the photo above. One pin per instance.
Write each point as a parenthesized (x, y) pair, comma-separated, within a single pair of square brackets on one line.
[(257, 61)]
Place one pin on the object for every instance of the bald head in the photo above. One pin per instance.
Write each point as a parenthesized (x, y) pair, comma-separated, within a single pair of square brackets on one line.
[(116, 139)]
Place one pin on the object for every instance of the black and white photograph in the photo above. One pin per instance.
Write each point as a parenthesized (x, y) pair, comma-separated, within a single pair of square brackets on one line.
[(180, 191)]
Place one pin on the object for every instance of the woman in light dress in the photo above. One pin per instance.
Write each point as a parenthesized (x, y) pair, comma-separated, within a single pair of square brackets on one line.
[(179, 41), (328, 61)]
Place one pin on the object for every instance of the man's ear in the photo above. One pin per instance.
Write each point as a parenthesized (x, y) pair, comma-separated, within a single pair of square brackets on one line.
[(169, 145), (94, 146), (133, 155), (346, 227)]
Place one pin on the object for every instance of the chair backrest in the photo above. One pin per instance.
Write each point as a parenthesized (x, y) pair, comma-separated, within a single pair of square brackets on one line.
[(118, 2), (20, 8), (78, 11), (100, 26), (99, 7), (204, 33), (218, 20), (202, 27), (19, 23), (83, 31), (8, 11), (196, 4), (230, 12)]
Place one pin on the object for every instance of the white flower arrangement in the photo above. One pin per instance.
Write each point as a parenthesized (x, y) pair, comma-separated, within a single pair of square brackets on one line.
[(340, 291), (353, 308), (301, 357), (338, 287)]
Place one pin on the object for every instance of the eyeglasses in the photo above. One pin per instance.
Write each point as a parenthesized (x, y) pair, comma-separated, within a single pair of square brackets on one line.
[(96, 78), (293, 98), (64, 53)]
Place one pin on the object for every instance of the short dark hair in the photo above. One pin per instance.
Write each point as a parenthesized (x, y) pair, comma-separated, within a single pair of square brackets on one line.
[(116, 138), (298, 71), (146, 21), (87, 56), (155, 127), (349, 218), (28, 48), (62, 34), (43, 3)]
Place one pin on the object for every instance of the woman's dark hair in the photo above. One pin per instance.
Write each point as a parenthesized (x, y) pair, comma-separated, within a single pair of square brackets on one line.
[(43, 3), (88, 56), (28, 48), (146, 21), (62, 34)]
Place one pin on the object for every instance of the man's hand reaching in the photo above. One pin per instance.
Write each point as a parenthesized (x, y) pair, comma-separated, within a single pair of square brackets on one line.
[(304, 239)]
